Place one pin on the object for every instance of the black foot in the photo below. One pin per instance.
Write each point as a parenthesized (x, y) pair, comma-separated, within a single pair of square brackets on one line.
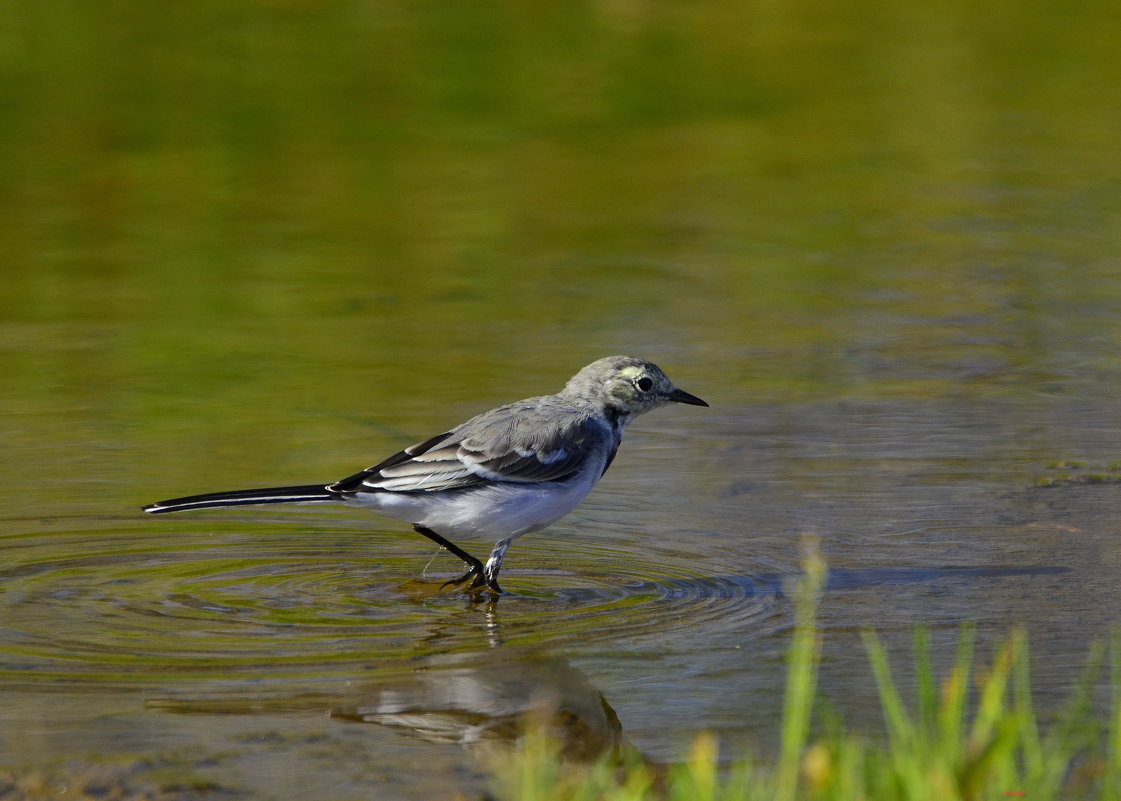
[(477, 575), (478, 582)]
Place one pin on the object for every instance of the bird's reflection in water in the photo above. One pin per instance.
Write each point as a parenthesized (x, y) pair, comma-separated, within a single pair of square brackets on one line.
[(467, 688), (486, 701)]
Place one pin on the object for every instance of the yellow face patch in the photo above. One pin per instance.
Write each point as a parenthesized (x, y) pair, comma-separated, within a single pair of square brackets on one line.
[(631, 371)]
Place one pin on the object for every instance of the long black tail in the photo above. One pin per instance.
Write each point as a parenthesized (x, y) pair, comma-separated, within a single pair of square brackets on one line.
[(309, 493)]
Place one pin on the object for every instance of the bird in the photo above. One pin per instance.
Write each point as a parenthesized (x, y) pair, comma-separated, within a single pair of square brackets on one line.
[(506, 472)]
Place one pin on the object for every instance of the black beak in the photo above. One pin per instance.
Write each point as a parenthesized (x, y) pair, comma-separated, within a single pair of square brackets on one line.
[(681, 396)]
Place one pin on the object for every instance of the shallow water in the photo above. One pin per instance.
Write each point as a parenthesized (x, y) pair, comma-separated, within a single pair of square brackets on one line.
[(639, 605), (277, 245)]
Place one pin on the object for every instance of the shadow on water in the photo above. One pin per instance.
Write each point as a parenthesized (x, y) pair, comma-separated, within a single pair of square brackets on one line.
[(846, 579), (750, 586)]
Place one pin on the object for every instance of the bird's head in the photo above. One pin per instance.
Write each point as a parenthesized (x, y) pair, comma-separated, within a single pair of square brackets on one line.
[(627, 385)]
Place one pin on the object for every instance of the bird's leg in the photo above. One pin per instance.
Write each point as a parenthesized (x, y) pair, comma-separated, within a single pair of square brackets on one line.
[(477, 570), (489, 577)]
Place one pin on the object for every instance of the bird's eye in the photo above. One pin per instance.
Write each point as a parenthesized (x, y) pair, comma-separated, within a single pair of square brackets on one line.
[(645, 383)]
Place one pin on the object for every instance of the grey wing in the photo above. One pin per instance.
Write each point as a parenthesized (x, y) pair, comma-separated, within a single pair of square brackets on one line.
[(517, 443), (440, 471)]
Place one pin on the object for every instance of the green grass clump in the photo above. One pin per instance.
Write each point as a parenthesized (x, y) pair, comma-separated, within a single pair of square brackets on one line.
[(973, 736)]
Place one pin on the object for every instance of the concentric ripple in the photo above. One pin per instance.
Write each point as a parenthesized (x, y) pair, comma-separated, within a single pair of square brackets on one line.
[(614, 592), (292, 600)]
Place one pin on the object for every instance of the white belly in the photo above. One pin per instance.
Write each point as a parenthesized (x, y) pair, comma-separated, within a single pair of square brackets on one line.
[(492, 511)]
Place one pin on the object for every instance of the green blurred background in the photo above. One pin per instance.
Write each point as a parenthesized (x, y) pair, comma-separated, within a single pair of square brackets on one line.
[(214, 193), (210, 208)]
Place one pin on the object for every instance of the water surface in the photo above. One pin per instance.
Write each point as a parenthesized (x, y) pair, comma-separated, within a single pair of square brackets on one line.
[(277, 243)]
